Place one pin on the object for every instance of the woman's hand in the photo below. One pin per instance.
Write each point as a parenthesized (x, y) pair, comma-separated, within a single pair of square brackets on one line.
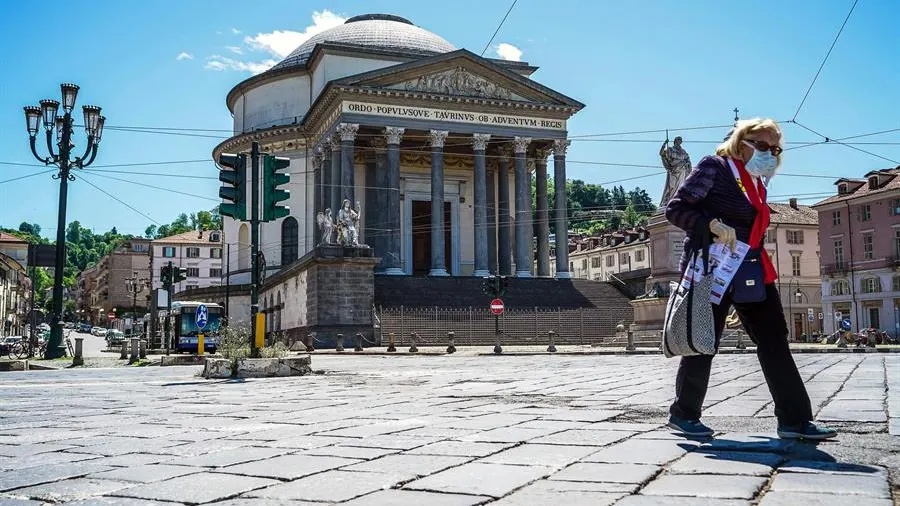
[(724, 234)]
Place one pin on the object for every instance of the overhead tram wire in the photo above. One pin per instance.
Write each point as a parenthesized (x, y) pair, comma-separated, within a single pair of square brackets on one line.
[(486, 46), (824, 60), (170, 190), (117, 199), (828, 139), (27, 176)]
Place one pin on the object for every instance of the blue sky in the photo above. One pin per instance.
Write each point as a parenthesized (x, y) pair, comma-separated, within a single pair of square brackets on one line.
[(640, 65)]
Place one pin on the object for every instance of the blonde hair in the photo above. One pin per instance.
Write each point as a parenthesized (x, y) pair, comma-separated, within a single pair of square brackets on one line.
[(734, 141)]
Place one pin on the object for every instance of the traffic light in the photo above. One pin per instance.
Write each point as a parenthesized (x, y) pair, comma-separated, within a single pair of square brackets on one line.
[(503, 284), (166, 276), (495, 286), (178, 274), (272, 194), (487, 287), (235, 175)]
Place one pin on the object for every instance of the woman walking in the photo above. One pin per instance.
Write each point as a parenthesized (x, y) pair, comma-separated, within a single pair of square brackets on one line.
[(726, 195)]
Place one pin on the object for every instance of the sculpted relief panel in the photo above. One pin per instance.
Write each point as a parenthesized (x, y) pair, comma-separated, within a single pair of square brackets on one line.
[(458, 81)]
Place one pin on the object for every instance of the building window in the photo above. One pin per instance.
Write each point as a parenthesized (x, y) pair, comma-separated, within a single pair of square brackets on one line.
[(868, 248), (795, 264), (795, 237), (895, 283), (895, 207), (610, 260), (193, 272), (836, 218), (865, 212), (595, 262), (840, 287), (215, 273), (897, 243), (571, 266), (839, 253), (771, 236), (584, 264), (215, 253), (639, 255), (168, 252), (289, 240), (193, 252), (624, 258), (191, 287), (871, 285)]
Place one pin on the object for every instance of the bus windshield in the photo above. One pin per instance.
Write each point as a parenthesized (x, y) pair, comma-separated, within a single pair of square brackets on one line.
[(189, 324)]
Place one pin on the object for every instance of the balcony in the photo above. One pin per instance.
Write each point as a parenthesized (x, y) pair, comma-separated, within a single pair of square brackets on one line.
[(837, 269)]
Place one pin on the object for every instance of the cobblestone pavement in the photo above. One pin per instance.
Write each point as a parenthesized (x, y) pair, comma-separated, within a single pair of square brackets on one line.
[(445, 431)]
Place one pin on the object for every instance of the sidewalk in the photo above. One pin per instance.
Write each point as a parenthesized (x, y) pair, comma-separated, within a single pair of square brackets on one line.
[(445, 430)]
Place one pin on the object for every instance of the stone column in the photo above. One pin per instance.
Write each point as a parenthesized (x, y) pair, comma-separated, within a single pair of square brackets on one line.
[(317, 195), (438, 259), (479, 144), (562, 219), (347, 132), (492, 217), (524, 233), (326, 176), (379, 207), (392, 258), (335, 189), (543, 214), (504, 247)]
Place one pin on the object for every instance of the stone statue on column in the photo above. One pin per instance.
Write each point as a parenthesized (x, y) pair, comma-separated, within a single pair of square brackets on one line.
[(348, 224), (326, 226), (677, 163)]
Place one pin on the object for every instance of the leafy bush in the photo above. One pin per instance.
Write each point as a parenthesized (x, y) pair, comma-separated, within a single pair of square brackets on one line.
[(277, 350)]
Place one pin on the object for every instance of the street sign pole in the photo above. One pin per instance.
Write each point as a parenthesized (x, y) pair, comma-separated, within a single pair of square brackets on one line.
[(169, 311), (496, 308), (254, 246)]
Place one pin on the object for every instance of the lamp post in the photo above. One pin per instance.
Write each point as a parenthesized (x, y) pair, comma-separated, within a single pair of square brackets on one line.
[(134, 286), (790, 308), (800, 294), (93, 125)]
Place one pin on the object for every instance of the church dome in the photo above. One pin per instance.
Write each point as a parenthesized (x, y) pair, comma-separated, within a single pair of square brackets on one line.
[(382, 31)]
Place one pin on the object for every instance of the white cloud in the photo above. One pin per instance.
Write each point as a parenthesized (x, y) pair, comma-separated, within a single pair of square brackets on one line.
[(280, 43), (508, 52), (184, 56), (235, 49), (217, 62), (235, 31)]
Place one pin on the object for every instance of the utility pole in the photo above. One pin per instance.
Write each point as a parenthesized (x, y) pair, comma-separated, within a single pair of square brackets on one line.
[(134, 285), (254, 245), (93, 125)]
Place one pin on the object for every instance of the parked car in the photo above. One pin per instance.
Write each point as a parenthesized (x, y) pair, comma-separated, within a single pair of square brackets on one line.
[(6, 344), (114, 337), (70, 325), (84, 328), (98, 331)]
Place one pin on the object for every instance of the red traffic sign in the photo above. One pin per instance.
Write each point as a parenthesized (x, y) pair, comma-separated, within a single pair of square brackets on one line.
[(111, 316), (496, 307)]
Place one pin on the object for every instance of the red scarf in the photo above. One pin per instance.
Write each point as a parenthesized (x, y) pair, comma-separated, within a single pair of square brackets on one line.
[(756, 193)]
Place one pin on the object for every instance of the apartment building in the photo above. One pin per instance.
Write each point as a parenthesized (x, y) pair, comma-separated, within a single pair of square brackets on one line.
[(15, 294), (199, 252), (103, 288), (621, 257), (859, 230)]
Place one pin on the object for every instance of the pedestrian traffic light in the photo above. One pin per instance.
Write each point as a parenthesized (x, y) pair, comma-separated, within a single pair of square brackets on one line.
[(272, 194), (235, 175), (178, 274), (166, 276)]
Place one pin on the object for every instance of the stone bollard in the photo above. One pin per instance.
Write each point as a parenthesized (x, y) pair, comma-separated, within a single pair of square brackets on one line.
[(359, 341), (842, 340), (451, 342), (551, 341), (124, 354), (310, 347), (391, 348), (135, 350), (78, 359), (497, 348), (143, 349), (340, 343), (413, 339), (629, 345), (740, 343)]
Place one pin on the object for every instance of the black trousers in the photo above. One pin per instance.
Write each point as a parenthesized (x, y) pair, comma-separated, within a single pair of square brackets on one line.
[(764, 322)]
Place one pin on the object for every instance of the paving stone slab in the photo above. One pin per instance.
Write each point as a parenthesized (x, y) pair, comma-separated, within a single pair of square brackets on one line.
[(705, 485), (744, 442), (288, 467), (627, 426), (22, 450), (830, 483), (495, 480), (147, 473), (662, 500), (249, 501), (13, 501), (188, 489), (567, 493), (612, 473), (809, 499), (415, 498), (230, 457), (529, 454), (112, 501), (584, 437), (583, 415), (508, 435), (818, 466), (132, 459), (414, 465), (736, 463), (350, 452), (332, 486), (642, 451), (71, 490), (17, 478), (43, 459), (461, 448)]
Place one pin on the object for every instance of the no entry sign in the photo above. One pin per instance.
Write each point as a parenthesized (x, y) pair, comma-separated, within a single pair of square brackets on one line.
[(497, 307)]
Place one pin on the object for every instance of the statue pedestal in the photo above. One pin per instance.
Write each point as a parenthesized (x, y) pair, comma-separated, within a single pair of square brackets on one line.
[(666, 246)]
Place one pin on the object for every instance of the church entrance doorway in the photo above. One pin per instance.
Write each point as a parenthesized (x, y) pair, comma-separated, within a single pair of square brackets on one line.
[(421, 237)]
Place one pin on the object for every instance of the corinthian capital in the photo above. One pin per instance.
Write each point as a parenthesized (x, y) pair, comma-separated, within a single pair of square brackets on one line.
[(541, 154), (520, 144), (505, 152), (560, 146), (479, 141), (379, 143), (393, 134), (437, 138), (347, 131), (317, 159), (335, 142)]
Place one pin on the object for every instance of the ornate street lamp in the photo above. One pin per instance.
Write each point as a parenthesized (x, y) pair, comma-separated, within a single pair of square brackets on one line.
[(47, 114)]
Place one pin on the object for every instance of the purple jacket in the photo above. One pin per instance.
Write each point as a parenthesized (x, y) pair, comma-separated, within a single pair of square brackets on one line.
[(710, 192)]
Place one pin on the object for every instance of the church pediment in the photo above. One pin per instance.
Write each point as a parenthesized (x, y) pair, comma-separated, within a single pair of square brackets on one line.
[(462, 74)]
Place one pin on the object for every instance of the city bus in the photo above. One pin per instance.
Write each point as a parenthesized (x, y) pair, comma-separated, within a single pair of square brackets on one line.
[(183, 321)]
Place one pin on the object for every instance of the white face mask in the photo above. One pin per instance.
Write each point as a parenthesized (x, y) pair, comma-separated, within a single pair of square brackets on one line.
[(762, 164)]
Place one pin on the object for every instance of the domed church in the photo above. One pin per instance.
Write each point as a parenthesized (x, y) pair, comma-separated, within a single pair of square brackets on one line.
[(434, 146)]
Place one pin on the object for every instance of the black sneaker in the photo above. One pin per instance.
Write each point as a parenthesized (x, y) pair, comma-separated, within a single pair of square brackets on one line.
[(807, 430), (693, 428)]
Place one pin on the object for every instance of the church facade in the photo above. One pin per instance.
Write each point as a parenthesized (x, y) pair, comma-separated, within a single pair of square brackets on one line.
[(437, 145)]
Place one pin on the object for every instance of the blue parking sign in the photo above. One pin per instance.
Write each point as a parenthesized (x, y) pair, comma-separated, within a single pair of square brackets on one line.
[(202, 316), (846, 324)]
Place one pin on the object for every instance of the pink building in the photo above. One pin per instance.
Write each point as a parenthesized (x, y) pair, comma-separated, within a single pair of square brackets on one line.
[(859, 230)]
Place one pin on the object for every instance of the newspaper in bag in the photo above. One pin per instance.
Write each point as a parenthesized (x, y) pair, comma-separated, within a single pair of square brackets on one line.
[(725, 263)]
